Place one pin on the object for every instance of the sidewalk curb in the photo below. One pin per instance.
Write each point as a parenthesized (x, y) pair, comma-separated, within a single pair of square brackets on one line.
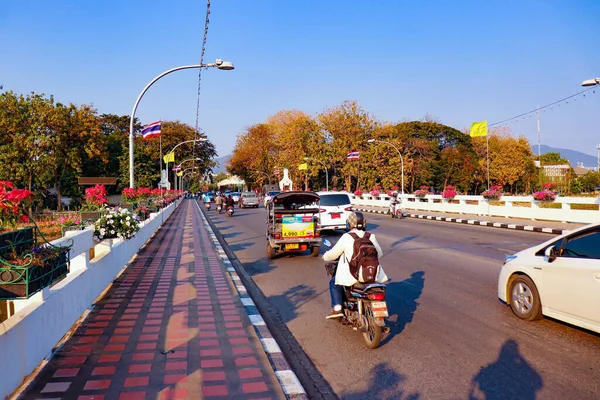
[(490, 224), (290, 384)]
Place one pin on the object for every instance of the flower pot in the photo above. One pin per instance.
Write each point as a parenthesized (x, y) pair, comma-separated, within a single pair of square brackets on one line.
[(23, 282), (19, 239), (129, 206)]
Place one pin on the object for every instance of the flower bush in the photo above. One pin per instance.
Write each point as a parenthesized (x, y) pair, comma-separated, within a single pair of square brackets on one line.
[(116, 223), (423, 191), (143, 193), (36, 256), (358, 192), (12, 205), (374, 193), (391, 192), (95, 197), (129, 194), (67, 221), (449, 192), (493, 193), (546, 194), (142, 212)]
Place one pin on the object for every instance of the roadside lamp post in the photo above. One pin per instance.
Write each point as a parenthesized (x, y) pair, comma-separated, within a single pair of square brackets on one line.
[(593, 82), (173, 150), (180, 164), (326, 172), (220, 64), (401, 159), (186, 175)]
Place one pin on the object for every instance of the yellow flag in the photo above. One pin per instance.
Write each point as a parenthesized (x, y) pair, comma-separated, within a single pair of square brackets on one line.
[(180, 173), (303, 166), (479, 129), (169, 157)]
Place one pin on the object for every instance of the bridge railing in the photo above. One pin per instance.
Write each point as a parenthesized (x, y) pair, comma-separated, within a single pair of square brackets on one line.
[(564, 209), (29, 335)]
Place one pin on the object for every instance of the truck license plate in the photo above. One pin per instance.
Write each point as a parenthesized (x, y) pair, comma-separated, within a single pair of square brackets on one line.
[(292, 246), (379, 309)]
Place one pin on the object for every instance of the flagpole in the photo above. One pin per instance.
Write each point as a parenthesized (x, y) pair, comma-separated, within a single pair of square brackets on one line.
[(487, 137), (358, 174), (161, 160)]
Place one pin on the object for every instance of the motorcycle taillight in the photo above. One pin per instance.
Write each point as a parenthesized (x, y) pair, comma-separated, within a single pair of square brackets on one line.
[(376, 296)]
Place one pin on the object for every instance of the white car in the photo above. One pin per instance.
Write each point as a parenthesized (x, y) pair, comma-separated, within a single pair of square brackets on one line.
[(334, 210), (559, 278)]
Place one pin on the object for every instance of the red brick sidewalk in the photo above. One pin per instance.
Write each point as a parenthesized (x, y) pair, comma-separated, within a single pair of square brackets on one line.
[(170, 327)]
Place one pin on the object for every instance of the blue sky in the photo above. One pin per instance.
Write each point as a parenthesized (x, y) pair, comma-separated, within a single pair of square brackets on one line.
[(458, 61)]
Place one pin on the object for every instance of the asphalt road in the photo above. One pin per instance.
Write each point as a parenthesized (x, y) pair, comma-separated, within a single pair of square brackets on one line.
[(450, 336)]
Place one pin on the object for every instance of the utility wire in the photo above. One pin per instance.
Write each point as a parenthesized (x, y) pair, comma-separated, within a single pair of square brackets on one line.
[(196, 129), (541, 108)]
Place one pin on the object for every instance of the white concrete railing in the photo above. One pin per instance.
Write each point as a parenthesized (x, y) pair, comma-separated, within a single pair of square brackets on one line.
[(28, 336), (527, 207)]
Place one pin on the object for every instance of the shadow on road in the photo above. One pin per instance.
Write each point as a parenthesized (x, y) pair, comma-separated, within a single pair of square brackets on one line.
[(403, 240), (402, 303), (231, 235), (510, 377), (385, 384), (290, 300)]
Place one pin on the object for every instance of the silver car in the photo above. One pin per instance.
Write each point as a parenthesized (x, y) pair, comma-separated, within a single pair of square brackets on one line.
[(248, 199)]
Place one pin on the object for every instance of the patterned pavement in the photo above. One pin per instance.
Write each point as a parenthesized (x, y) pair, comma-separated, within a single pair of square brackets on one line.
[(171, 327)]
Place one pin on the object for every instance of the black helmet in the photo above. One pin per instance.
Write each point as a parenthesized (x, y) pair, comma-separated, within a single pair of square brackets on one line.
[(356, 220)]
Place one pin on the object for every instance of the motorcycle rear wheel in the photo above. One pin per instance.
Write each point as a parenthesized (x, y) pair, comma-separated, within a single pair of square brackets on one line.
[(372, 335)]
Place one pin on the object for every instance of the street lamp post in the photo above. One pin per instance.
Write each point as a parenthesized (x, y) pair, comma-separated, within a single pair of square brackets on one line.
[(401, 159), (326, 172), (178, 181), (172, 150), (220, 64), (593, 82)]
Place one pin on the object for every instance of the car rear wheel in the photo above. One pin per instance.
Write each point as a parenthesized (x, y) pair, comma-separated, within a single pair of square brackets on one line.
[(524, 298), (271, 252)]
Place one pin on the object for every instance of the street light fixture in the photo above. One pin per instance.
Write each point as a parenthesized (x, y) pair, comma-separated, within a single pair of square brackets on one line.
[(326, 172), (219, 64), (401, 159), (591, 82)]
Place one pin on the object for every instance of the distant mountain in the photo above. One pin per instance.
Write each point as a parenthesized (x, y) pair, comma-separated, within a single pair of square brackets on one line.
[(574, 157), (221, 164)]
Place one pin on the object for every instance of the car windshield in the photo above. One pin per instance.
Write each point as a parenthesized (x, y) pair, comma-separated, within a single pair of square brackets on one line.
[(272, 193), (248, 194), (334, 199)]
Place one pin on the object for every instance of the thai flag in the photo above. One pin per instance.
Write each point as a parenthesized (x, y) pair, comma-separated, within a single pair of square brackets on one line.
[(353, 155), (177, 168), (151, 130)]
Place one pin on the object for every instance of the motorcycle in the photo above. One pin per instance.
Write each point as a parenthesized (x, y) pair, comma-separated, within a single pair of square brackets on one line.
[(230, 211), (208, 206), (364, 308), (395, 209), (219, 207)]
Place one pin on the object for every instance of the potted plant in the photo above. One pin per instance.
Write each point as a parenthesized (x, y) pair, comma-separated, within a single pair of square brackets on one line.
[(358, 193), (12, 211), (142, 213), (546, 194), (25, 272), (449, 192), (493, 193), (422, 192), (116, 223), (95, 199), (25, 266), (68, 223), (129, 198)]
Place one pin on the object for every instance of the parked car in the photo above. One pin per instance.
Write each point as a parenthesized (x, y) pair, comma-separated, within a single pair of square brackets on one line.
[(559, 278), (248, 199), (334, 210), (269, 196)]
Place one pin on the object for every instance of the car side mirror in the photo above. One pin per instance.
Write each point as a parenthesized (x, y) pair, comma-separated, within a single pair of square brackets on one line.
[(550, 254)]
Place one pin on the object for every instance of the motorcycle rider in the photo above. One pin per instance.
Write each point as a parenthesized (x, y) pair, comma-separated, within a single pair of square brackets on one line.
[(395, 203), (218, 200), (229, 202), (356, 223)]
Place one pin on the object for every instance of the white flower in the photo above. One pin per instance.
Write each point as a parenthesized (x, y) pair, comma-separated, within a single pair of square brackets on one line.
[(101, 236), (128, 224), (112, 232), (128, 218)]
